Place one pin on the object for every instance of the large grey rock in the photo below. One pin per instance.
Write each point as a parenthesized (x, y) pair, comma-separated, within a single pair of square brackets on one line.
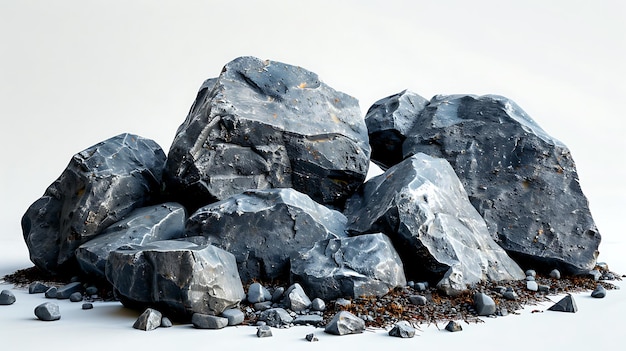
[(65, 291), (389, 121), (519, 178), (365, 265), (344, 323), (177, 277), (484, 304), (48, 311), (142, 226), (422, 206), (262, 228), (266, 124), (99, 187)]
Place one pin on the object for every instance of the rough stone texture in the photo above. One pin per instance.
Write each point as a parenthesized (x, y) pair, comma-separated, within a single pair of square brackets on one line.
[(100, 185), (65, 291), (177, 277), (141, 226), (207, 321), (296, 299), (7, 297), (256, 293), (264, 331), (262, 228), (389, 121), (402, 329), (566, 304), (519, 178), (48, 311), (150, 319), (365, 265), (275, 317), (266, 124), (344, 323), (484, 304), (421, 205)]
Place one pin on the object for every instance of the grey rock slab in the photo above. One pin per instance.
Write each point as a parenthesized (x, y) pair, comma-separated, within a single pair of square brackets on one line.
[(100, 186), (566, 304), (389, 121), (207, 321), (364, 265), (402, 329), (422, 206), (263, 228), (7, 297), (267, 124), (309, 319), (37, 288), (484, 304), (141, 226), (296, 299), (599, 292), (344, 323), (521, 180), (263, 331), (149, 320), (65, 291), (179, 278), (454, 326), (234, 315), (275, 317), (48, 311)]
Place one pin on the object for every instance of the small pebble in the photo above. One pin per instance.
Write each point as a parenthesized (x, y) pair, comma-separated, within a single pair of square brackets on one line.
[(311, 337), (418, 300), (166, 322), (264, 331), (48, 311), (318, 304), (555, 274), (234, 316), (7, 298), (454, 326), (421, 286), (91, 290), (87, 306), (341, 302), (76, 297), (510, 295), (599, 292), (278, 294), (402, 329), (532, 285), (543, 288)]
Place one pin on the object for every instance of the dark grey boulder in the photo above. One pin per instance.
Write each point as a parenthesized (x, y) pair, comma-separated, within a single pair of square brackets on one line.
[(99, 187), (484, 304), (365, 265), (7, 297), (389, 121), (262, 228), (344, 323), (266, 124), (177, 277), (207, 321), (141, 226), (566, 304), (520, 179), (422, 206), (65, 291), (276, 317), (402, 329), (87, 306), (48, 311), (555, 274), (37, 288), (150, 319), (599, 292)]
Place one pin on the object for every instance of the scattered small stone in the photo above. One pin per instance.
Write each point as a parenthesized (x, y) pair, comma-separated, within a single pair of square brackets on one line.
[(7, 297), (275, 317), (234, 316), (501, 289), (309, 319), (166, 322), (149, 320), (256, 293), (344, 323), (37, 288), (48, 311), (454, 326), (411, 284), (484, 304), (532, 285), (51, 293), (595, 274), (555, 274), (311, 337), (543, 288), (91, 290), (87, 306), (566, 304), (599, 292), (530, 278), (65, 291), (502, 312), (318, 304), (207, 321), (421, 286), (418, 300), (531, 273), (264, 331), (76, 297), (343, 303), (277, 295), (510, 295), (262, 306), (402, 329)]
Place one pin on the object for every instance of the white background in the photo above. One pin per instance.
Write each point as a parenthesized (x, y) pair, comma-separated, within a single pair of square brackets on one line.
[(73, 73)]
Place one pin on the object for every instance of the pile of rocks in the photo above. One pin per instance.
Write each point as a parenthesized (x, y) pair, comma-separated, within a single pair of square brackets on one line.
[(265, 181)]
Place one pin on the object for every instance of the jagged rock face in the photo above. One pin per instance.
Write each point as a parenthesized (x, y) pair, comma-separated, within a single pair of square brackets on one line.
[(142, 226), (266, 124), (365, 265), (389, 121), (178, 278), (100, 185), (422, 206), (520, 179), (262, 228)]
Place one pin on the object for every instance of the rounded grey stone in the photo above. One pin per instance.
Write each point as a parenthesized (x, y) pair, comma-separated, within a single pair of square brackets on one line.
[(7, 297), (555, 274), (318, 304), (48, 311), (599, 292), (37, 288), (264, 331), (76, 297)]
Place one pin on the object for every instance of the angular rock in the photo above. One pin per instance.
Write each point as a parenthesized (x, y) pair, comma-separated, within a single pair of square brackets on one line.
[(51, 293), (344, 323), (37, 288), (389, 121), (262, 228), (48, 311), (234, 316), (179, 278), (166, 323), (309, 319), (65, 291), (266, 124), (311, 337), (99, 187), (277, 295), (141, 226), (520, 179), (402, 329), (275, 317), (256, 293), (263, 331), (422, 206), (454, 326), (566, 304), (296, 299), (207, 321), (150, 319), (599, 292), (510, 295), (87, 306), (7, 297), (262, 306), (532, 285), (484, 304), (365, 265)]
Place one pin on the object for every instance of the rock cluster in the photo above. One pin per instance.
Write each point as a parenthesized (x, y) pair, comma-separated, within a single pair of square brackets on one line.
[(265, 181)]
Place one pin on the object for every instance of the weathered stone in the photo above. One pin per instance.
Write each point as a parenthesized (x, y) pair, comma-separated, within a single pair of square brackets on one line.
[(266, 124), (37, 288), (566, 304), (422, 206), (599, 292), (262, 306), (99, 187), (179, 278), (344, 323), (454, 326), (91, 290), (318, 304), (510, 295), (48, 311), (402, 329), (7, 297), (150, 319), (262, 228), (256, 293), (520, 179), (531, 273), (365, 265), (65, 291), (76, 297), (263, 331), (418, 300), (484, 304), (234, 316), (296, 299), (51, 293), (389, 121), (207, 321), (275, 317), (142, 226)]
